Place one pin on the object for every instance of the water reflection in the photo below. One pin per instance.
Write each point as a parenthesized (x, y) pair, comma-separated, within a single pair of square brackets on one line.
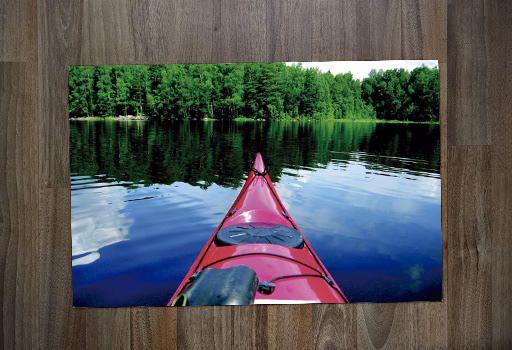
[(145, 197), (98, 218)]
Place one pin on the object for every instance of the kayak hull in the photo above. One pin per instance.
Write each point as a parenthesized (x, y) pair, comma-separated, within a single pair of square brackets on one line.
[(298, 273)]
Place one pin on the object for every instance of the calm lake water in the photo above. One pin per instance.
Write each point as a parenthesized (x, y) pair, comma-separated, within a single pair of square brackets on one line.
[(146, 196)]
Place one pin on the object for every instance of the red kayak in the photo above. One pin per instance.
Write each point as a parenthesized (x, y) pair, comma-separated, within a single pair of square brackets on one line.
[(257, 255)]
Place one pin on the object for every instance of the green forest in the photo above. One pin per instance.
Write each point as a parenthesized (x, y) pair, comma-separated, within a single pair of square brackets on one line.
[(251, 90)]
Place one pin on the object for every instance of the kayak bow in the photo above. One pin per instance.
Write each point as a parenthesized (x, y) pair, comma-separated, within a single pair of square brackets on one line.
[(257, 255)]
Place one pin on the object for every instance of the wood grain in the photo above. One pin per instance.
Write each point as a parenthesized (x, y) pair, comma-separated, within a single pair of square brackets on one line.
[(108, 328), (424, 29), (59, 35), (500, 73), (195, 36), (205, 328), (106, 32), (250, 327), (334, 30), (222, 327), (500, 100), (289, 30), (501, 303), (153, 328), (468, 73), (242, 36), (470, 247), (17, 34), (59, 325), (18, 175), (18, 204), (378, 30), (39, 42), (289, 327), (334, 326)]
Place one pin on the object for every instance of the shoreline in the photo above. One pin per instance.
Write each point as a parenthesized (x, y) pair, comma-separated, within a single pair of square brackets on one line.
[(243, 119), (118, 118)]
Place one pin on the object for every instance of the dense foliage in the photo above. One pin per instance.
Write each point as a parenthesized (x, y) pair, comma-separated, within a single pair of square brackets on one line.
[(252, 90), (402, 95)]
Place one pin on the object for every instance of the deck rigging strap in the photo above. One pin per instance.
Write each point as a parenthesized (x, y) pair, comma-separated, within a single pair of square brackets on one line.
[(262, 253), (327, 279), (259, 173), (324, 277)]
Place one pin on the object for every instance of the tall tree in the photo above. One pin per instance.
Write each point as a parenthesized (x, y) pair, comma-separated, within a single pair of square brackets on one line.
[(388, 93), (105, 92), (424, 94)]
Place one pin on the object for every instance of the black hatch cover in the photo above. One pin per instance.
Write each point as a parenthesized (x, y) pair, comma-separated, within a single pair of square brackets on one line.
[(259, 233)]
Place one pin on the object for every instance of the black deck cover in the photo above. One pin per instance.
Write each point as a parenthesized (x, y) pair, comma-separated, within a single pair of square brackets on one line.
[(259, 233)]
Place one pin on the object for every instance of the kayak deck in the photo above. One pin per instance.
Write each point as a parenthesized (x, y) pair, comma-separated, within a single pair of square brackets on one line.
[(287, 269)]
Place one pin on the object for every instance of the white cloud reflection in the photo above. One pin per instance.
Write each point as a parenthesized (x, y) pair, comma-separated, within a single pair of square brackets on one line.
[(97, 221), (361, 199)]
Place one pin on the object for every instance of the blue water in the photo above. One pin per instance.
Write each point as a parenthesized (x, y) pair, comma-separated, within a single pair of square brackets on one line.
[(146, 197)]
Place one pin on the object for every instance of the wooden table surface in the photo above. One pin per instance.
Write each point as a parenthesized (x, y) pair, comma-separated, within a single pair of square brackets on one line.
[(472, 41)]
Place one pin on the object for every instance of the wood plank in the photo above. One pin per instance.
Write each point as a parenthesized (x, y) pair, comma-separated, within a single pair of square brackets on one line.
[(242, 36), (222, 327), (250, 327), (424, 25), (155, 31), (401, 326), (195, 31), (204, 327), (469, 240), (106, 32), (356, 30), (107, 328), (17, 31), (334, 326), (19, 177), (153, 328), (500, 73), (468, 73), (59, 35), (60, 325), (18, 203), (376, 327), (501, 303), (290, 326), (430, 324), (173, 32), (289, 30), (500, 100), (378, 30), (334, 30)]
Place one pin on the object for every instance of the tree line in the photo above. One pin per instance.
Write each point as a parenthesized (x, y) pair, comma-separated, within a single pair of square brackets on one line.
[(251, 90)]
